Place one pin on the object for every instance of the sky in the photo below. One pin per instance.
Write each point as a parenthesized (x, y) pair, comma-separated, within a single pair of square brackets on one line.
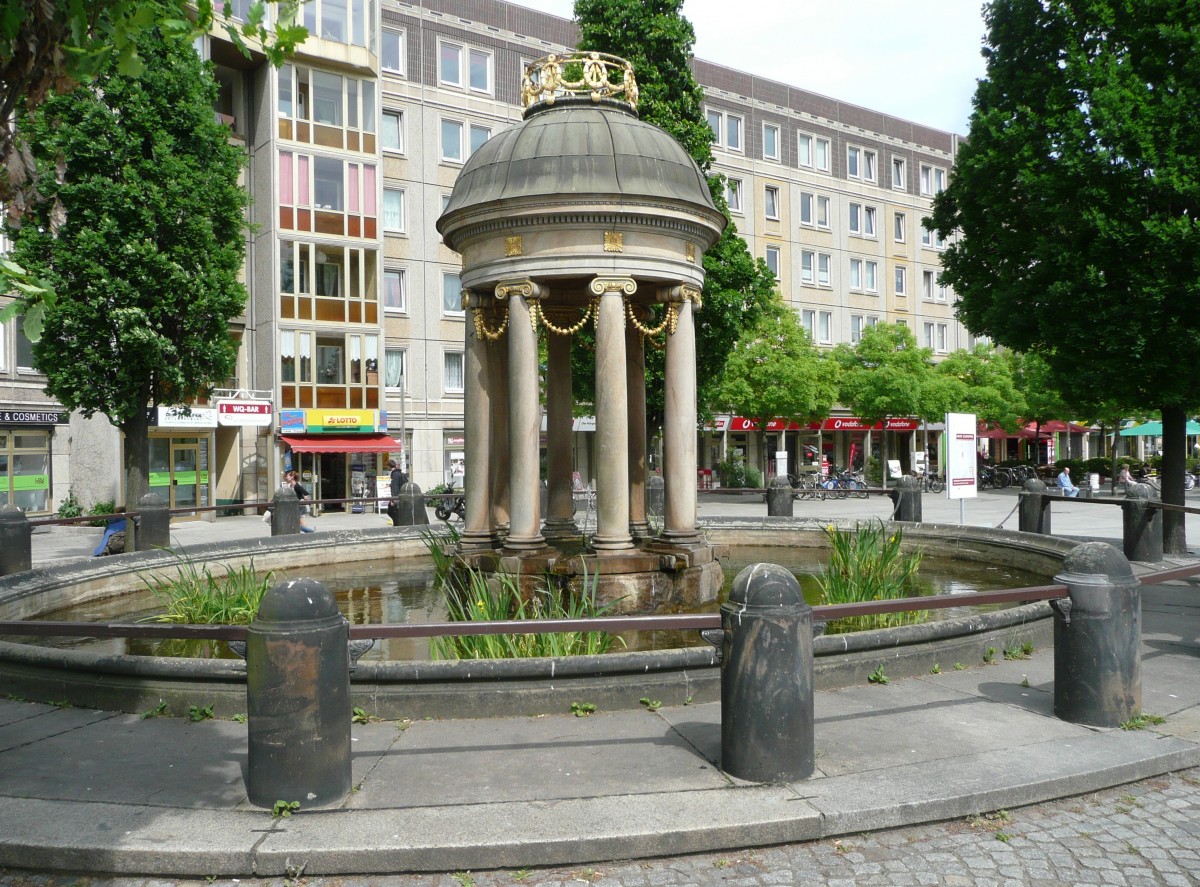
[(914, 59)]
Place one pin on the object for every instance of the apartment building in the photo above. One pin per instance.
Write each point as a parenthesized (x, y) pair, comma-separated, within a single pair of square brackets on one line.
[(352, 340)]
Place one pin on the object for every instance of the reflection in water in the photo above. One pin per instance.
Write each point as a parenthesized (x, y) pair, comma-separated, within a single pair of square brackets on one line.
[(375, 592)]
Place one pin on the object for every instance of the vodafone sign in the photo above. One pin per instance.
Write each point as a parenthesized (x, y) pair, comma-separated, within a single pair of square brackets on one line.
[(840, 423), (244, 412)]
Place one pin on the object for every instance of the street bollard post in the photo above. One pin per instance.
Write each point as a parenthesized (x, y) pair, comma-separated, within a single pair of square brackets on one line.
[(154, 523), (285, 512), (766, 677), (1097, 638), (298, 698), (1034, 508), (16, 541), (1142, 530), (408, 508), (779, 497), (906, 500)]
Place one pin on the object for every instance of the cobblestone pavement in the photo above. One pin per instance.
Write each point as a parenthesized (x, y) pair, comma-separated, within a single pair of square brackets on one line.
[(1138, 835)]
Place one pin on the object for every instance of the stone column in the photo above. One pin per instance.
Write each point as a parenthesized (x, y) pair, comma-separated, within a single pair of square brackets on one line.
[(477, 425), (498, 381), (560, 398), (524, 417), (612, 416), (635, 362), (679, 421)]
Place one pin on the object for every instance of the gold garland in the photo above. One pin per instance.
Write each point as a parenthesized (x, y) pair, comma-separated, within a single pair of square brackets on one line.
[(670, 321), (483, 332), (564, 331)]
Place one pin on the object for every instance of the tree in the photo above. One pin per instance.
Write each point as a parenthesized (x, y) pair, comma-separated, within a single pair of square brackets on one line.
[(145, 262), (987, 386), (655, 37), (885, 374), (51, 46), (1078, 206), (774, 371)]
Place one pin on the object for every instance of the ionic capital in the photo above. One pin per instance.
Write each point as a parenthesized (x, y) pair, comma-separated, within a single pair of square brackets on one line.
[(520, 287), (602, 286), (685, 293)]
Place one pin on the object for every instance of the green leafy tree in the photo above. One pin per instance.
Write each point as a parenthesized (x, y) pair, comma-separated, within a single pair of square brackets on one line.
[(776, 372), (1077, 206), (655, 37), (145, 259), (885, 374), (987, 386)]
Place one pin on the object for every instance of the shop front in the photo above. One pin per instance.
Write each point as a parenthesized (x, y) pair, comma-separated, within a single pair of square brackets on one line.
[(181, 448), (339, 454), (26, 450)]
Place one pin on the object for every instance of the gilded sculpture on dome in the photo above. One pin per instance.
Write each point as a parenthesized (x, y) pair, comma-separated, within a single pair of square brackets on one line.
[(595, 74)]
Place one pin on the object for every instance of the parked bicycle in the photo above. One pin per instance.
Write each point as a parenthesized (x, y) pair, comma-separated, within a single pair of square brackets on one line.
[(931, 481)]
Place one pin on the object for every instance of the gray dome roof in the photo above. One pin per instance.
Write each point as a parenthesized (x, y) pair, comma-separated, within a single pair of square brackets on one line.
[(578, 147)]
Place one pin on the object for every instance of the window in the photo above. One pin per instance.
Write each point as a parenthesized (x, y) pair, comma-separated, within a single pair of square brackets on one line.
[(940, 293), (393, 131), (856, 274), (870, 273), (481, 70), (926, 179), (391, 51), (942, 345), (450, 59), (823, 154), (806, 209), (853, 162), (807, 261), (394, 295), (901, 281), (773, 260), (452, 141), (869, 166), (804, 149), (327, 98), (928, 340), (479, 135), (898, 225), (823, 262), (822, 212), (771, 202), (726, 129), (855, 218), (927, 284), (939, 180), (770, 141), (395, 368), (926, 235), (858, 323), (808, 320), (869, 221), (733, 195), (451, 293), (393, 209), (899, 180), (328, 183), (452, 371), (825, 327), (25, 361)]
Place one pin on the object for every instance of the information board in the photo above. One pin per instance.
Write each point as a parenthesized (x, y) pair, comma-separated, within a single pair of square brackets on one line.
[(961, 460)]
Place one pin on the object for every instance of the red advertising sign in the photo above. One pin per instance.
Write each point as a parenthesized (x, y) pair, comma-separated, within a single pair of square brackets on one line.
[(839, 423), (244, 412)]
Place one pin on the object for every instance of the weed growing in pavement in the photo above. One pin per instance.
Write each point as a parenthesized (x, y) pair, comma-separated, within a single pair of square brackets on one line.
[(159, 711), (284, 809), (958, 666), (361, 716), (583, 709), (1019, 651), (239, 718), (878, 677), (520, 874), (197, 713), (989, 655), (651, 704), (464, 879), (937, 669), (1141, 721), (1024, 681)]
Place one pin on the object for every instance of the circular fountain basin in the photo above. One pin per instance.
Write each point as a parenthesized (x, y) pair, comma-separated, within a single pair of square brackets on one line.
[(398, 689)]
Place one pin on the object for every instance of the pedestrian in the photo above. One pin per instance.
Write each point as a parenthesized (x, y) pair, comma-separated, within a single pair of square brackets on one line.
[(292, 479), (1064, 483), (399, 478), (1125, 477)]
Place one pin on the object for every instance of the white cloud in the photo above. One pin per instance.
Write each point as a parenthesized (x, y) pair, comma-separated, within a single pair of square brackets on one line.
[(914, 59)]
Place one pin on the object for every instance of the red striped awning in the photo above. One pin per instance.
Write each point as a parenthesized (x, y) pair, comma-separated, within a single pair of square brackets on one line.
[(341, 443)]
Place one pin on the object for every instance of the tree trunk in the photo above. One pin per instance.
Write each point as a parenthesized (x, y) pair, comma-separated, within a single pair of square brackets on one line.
[(136, 431), (1174, 421)]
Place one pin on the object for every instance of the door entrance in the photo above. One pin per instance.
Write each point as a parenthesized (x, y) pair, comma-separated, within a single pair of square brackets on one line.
[(331, 479), (185, 476)]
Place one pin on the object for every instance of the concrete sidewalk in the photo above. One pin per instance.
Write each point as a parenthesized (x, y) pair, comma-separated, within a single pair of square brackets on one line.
[(112, 793)]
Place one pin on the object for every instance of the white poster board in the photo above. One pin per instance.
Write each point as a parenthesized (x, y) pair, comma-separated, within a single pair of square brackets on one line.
[(961, 460)]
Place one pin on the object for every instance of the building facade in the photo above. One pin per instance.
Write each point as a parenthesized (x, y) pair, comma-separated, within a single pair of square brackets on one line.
[(352, 341)]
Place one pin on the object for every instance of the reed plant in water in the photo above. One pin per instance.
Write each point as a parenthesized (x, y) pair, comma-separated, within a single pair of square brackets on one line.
[(869, 564), (472, 595)]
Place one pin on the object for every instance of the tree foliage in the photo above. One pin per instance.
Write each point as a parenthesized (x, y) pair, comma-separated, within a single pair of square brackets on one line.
[(985, 386), (145, 261), (885, 374), (1078, 205), (655, 37), (775, 372), (51, 46)]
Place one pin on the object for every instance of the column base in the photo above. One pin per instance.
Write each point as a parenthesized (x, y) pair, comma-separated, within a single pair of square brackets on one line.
[(475, 541), (561, 528), (525, 543), (681, 537), (612, 543), (641, 530)]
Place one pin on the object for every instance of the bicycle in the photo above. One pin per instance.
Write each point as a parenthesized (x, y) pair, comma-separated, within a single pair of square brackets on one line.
[(932, 482)]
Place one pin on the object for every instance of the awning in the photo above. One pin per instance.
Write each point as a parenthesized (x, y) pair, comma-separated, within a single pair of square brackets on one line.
[(1057, 426), (1155, 429), (342, 443)]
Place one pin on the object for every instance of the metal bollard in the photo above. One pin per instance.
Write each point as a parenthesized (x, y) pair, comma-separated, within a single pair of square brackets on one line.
[(16, 541), (285, 513), (1097, 638), (779, 497), (408, 509), (298, 698), (1034, 508), (766, 677), (906, 500), (154, 523), (1142, 531)]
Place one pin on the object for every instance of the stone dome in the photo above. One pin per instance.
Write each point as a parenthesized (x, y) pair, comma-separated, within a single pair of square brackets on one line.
[(574, 149)]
